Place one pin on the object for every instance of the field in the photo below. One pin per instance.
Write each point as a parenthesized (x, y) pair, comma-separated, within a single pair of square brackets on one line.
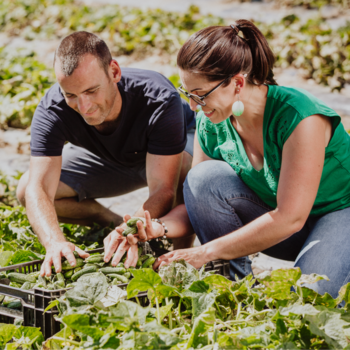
[(184, 308)]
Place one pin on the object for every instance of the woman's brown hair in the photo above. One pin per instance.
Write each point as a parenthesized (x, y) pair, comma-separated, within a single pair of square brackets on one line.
[(218, 51)]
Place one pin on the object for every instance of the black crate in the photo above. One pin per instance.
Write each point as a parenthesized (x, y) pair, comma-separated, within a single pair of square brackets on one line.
[(35, 301)]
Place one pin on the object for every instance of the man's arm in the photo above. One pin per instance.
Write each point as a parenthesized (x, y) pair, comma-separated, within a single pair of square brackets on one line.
[(162, 179), (44, 175)]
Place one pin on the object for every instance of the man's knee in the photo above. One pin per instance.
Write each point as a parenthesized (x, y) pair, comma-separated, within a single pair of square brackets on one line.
[(21, 188), (63, 190)]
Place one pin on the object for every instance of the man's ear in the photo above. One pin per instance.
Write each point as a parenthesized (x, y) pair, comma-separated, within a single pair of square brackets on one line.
[(115, 71)]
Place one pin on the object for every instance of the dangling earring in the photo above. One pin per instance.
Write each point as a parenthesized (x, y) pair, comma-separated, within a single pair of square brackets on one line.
[(238, 107)]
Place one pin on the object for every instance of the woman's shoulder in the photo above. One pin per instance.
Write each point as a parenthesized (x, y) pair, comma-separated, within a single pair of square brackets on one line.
[(297, 100)]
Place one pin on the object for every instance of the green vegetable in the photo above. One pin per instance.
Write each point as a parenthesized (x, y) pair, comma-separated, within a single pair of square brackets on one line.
[(60, 277), (149, 262), (95, 258), (69, 273), (26, 286), (17, 305), (129, 231), (59, 285), (120, 279), (145, 257), (21, 277), (89, 264), (67, 266), (82, 272), (133, 221), (139, 251), (42, 280), (109, 270), (77, 269)]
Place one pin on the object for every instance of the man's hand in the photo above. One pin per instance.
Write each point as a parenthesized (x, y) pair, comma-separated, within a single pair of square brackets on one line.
[(54, 253), (146, 230), (117, 244), (195, 256)]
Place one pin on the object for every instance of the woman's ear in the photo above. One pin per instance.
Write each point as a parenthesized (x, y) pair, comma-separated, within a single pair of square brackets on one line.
[(239, 81)]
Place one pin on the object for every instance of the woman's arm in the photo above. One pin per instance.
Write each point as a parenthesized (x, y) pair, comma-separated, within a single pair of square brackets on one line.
[(301, 170), (198, 155), (177, 220)]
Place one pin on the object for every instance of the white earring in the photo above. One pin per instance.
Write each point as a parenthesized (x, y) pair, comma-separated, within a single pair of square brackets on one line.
[(238, 107)]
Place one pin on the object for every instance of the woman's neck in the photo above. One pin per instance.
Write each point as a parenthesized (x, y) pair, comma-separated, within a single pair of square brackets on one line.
[(254, 100)]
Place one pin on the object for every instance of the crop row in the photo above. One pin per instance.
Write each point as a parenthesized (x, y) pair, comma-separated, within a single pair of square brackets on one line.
[(342, 4), (322, 53)]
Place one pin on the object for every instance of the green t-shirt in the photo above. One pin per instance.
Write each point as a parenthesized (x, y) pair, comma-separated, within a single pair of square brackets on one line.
[(285, 108)]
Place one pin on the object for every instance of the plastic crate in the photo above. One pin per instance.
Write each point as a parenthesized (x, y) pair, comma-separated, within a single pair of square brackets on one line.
[(35, 301)]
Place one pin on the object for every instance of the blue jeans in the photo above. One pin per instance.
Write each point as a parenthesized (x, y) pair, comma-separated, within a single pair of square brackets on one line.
[(218, 202)]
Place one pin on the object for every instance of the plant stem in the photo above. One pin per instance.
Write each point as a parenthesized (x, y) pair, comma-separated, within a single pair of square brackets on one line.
[(66, 340), (179, 308), (158, 313), (257, 313), (138, 301), (239, 306), (216, 304), (170, 315)]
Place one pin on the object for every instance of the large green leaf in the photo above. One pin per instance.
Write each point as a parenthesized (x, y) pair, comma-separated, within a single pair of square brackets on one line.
[(83, 324), (329, 325), (6, 333), (144, 279), (5, 258), (202, 297), (278, 283), (90, 289), (202, 325)]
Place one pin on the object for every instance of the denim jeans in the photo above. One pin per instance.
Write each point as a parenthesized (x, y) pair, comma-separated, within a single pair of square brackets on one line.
[(218, 202)]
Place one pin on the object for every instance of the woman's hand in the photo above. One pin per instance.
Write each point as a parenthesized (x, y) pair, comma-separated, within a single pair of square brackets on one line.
[(196, 256)]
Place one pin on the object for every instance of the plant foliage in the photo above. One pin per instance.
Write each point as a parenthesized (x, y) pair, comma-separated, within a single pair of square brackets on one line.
[(189, 309)]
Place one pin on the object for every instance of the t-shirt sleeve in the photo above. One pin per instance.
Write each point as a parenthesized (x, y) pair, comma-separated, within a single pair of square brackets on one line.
[(168, 134), (47, 136), (286, 125)]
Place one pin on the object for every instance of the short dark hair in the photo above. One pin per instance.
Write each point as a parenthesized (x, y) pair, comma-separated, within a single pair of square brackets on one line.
[(73, 47), (218, 51)]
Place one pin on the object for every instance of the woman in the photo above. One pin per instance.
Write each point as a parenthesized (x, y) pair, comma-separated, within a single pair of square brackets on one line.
[(271, 167)]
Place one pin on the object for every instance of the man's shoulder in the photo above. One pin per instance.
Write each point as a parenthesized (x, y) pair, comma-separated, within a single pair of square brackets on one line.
[(53, 97), (146, 83)]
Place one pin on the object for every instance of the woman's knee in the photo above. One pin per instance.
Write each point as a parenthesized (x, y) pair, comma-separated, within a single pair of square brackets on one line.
[(206, 178)]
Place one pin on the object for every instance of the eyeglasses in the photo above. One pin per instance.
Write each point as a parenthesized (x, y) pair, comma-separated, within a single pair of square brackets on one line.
[(199, 99)]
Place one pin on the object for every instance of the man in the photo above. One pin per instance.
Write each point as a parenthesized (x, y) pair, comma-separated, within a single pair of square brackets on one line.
[(126, 128)]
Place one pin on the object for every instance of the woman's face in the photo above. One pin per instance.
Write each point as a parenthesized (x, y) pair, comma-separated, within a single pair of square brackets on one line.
[(218, 104)]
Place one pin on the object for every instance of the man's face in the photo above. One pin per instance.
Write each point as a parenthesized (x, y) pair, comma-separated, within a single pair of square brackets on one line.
[(89, 91)]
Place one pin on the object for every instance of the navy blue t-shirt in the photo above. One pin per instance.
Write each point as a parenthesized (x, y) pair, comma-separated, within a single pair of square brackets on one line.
[(153, 119)]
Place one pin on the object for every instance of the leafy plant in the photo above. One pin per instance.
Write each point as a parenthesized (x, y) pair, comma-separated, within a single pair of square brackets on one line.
[(195, 310), (19, 244), (23, 82)]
